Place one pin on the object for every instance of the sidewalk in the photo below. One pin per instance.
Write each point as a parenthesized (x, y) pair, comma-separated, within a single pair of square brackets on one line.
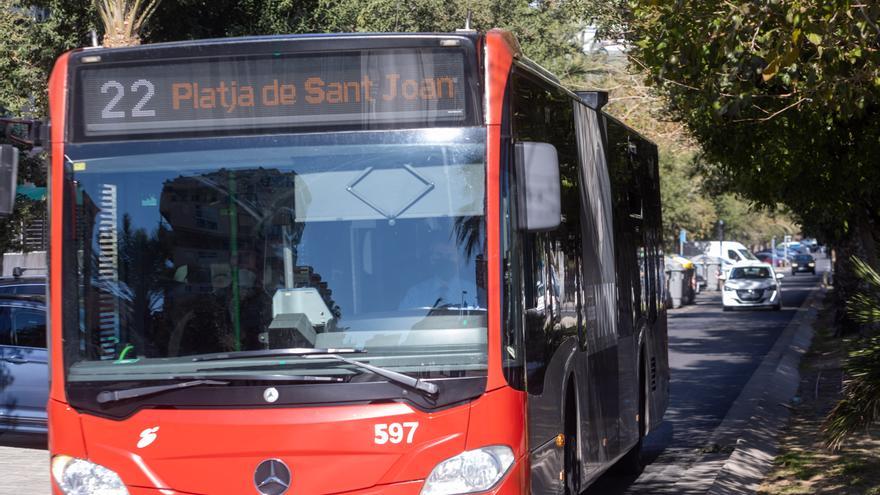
[(24, 471), (762, 410)]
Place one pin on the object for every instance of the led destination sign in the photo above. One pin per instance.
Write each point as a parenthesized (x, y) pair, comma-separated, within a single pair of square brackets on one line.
[(380, 87)]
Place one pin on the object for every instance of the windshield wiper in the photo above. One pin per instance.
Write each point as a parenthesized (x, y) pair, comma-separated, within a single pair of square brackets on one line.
[(295, 351), (132, 393), (427, 389), (215, 379)]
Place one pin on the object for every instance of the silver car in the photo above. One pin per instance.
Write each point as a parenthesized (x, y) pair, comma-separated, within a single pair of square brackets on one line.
[(24, 368)]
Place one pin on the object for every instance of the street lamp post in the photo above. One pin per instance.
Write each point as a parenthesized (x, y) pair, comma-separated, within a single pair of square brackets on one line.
[(721, 244), (773, 251)]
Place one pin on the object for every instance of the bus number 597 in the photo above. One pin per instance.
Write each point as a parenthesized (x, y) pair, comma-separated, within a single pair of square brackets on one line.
[(395, 432)]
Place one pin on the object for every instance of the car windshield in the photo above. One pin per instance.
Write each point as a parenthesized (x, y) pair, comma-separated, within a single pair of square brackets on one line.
[(803, 257), (372, 241), (750, 272)]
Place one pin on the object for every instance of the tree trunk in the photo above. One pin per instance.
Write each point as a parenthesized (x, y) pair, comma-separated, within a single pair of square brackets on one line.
[(862, 242)]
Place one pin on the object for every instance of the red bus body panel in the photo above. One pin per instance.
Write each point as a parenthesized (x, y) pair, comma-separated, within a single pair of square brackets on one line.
[(328, 449), (499, 58), (58, 111)]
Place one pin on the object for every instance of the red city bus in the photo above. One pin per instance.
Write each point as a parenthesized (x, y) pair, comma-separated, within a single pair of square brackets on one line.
[(401, 264)]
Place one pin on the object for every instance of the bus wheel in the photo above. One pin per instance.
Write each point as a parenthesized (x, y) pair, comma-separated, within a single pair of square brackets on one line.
[(632, 463), (572, 464)]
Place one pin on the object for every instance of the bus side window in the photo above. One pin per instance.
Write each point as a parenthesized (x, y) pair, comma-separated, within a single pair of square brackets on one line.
[(551, 261), (513, 348), (538, 310)]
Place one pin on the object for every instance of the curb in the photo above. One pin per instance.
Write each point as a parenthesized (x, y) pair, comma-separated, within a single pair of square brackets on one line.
[(761, 411)]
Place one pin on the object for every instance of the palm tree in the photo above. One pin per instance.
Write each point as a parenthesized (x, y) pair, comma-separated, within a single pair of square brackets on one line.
[(124, 19), (859, 408)]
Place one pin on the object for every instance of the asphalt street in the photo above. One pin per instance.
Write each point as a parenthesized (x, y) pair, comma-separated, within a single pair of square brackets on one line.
[(712, 355)]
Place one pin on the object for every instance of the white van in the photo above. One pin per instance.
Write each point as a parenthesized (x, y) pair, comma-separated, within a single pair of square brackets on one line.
[(730, 250)]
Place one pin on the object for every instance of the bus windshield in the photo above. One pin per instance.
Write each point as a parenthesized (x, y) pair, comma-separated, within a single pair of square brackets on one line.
[(190, 253)]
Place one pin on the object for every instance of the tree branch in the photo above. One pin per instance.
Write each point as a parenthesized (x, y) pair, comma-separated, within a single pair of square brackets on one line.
[(774, 114)]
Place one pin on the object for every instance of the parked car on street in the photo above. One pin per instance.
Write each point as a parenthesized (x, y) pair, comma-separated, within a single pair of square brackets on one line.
[(752, 284), (23, 285), (793, 248), (24, 369), (765, 257), (803, 263)]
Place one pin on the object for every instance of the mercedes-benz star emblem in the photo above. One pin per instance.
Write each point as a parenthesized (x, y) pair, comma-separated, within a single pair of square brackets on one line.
[(270, 394), (272, 477)]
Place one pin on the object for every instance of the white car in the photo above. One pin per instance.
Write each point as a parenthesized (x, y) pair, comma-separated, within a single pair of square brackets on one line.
[(752, 284)]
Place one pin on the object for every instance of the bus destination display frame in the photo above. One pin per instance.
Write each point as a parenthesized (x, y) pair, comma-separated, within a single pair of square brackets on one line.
[(216, 91)]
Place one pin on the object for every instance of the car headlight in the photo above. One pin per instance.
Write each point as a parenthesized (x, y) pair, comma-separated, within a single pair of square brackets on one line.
[(728, 288), (81, 477), (811, 264), (794, 264), (472, 471)]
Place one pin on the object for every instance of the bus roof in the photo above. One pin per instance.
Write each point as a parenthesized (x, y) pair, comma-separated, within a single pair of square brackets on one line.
[(275, 38)]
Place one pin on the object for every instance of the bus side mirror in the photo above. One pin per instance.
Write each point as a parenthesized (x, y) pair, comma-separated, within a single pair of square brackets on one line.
[(8, 178), (537, 170)]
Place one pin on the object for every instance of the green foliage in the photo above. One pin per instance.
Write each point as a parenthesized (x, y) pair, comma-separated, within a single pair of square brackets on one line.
[(11, 227), (686, 202), (800, 463), (21, 73), (30, 45), (28, 49), (783, 98), (859, 408), (864, 307)]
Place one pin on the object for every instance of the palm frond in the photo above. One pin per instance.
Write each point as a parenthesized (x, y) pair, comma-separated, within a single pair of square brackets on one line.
[(124, 19), (864, 307), (859, 408)]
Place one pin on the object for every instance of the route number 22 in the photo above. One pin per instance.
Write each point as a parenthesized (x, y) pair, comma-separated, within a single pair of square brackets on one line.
[(116, 87), (395, 432)]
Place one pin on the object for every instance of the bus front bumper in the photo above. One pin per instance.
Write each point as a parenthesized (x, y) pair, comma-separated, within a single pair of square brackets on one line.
[(513, 483)]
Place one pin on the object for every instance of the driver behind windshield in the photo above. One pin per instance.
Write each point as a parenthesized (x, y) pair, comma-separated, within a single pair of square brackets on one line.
[(444, 286)]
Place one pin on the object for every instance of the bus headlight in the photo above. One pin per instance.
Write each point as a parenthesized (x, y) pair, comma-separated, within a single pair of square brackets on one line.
[(81, 477), (472, 471)]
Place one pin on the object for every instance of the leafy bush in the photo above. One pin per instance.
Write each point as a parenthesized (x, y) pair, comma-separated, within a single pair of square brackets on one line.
[(859, 408)]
